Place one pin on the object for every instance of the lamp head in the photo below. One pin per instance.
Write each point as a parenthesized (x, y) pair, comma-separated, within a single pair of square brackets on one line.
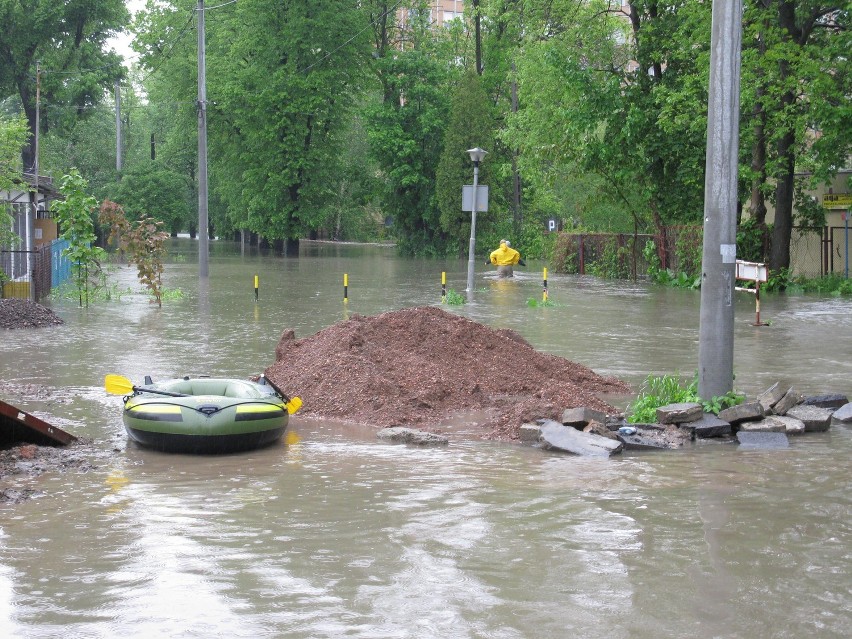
[(477, 154)]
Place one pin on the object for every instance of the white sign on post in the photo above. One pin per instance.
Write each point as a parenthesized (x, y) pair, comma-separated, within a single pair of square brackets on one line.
[(754, 271), (481, 198)]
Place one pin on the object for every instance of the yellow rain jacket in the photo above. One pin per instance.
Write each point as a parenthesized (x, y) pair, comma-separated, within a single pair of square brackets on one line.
[(505, 256)]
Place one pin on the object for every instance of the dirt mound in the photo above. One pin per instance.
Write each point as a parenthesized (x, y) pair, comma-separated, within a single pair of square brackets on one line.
[(17, 313), (419, 366)]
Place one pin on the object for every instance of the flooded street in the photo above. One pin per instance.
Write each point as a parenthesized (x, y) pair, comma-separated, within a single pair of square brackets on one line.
[(333, 534)]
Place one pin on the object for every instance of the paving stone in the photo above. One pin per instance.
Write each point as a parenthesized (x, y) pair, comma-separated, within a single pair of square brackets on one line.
[(770, 397), (843, 414), (748, 411), (580, 417), (791, 398), (762, 440), (566, 438), (834, 400), (816, 419), (710, 426), (679, 413)]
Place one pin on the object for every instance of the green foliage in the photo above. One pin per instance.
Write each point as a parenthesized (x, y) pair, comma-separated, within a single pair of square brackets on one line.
[(470, 126), (833, 284), (74, 216), (69, 41), (454, 298), (612, 263), (667, 277), (406, 133), (152, 190), (752, 240), (669, 389), (536, 303), (110, 292), (13, 133)]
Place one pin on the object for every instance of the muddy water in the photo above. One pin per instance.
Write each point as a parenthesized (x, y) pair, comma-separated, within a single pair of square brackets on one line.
[(335, 535)]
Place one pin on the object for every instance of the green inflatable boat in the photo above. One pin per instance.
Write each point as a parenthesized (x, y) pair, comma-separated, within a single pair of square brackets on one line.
[(204, 415)]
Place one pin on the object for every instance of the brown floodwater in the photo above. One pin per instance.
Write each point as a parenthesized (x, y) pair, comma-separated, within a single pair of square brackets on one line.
[(332, 534)]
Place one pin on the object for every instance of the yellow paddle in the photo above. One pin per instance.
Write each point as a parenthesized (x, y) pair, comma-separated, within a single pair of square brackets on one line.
[(292, 403), (118, 385)]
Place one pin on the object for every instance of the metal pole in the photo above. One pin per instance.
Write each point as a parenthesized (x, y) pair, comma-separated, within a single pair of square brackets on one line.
[(716, 327), (30, 221), (203, 234), (846, 267), (470, 257)]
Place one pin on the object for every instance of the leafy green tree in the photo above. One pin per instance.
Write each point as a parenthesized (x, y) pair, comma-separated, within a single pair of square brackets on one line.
[(151, 190), (73, 214), (66, 40), (13, 133), (796, 89), (406, 131), (280, 109), (470, 125)]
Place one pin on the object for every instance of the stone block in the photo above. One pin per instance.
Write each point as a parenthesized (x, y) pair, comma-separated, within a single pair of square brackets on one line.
[(766, 425), (710, 426), (581, 416), (792, 426), (749, 411), (843, 414), (770, 397), (816, 419), (679, 413), (530, 433), (791, 398), (835, 401), (762, 440), (555, 436)]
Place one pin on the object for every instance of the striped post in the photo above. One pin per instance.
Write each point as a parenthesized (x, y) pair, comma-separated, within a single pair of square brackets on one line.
[(544, 286), (443, 287), (256, 283), (345, 288)]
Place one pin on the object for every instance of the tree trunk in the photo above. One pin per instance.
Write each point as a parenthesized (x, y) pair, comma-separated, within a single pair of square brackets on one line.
[(779, 256), (477, 37)]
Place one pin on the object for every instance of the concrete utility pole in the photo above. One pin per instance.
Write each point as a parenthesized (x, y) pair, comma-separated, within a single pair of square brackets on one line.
[(203, 235), (718, 266)]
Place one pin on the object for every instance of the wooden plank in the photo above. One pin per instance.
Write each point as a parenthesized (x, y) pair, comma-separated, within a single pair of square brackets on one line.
[(19, 426)]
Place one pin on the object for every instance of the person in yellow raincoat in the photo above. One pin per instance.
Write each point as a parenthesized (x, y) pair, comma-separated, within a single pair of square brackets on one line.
[(504, 258)]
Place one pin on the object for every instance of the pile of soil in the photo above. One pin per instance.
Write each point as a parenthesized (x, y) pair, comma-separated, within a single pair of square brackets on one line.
[(421, 366), (18, 313)]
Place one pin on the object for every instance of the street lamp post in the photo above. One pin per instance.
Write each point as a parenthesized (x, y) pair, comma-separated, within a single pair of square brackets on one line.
[(476, 154)]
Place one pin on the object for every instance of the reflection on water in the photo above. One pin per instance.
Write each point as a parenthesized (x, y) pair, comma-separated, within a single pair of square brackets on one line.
[(332, 534)]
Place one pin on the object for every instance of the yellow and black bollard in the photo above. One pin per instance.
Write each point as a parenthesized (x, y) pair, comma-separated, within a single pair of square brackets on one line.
[(345, 288), (256, 281), (443, 287), (544, 286)]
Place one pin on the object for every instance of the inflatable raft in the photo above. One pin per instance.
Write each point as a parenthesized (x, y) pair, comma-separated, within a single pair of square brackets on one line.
[(205, 415)]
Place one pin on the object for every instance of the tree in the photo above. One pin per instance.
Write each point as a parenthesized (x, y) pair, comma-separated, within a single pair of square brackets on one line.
[(405, 131), (797, 85), (152, 190), (13, 133), (470, 125), (61, 45), (74, 216)]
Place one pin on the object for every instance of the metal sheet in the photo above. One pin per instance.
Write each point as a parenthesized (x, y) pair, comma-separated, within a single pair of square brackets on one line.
[(19, 426)]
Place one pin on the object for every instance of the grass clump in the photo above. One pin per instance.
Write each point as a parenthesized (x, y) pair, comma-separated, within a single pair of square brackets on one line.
[(669, 389)]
